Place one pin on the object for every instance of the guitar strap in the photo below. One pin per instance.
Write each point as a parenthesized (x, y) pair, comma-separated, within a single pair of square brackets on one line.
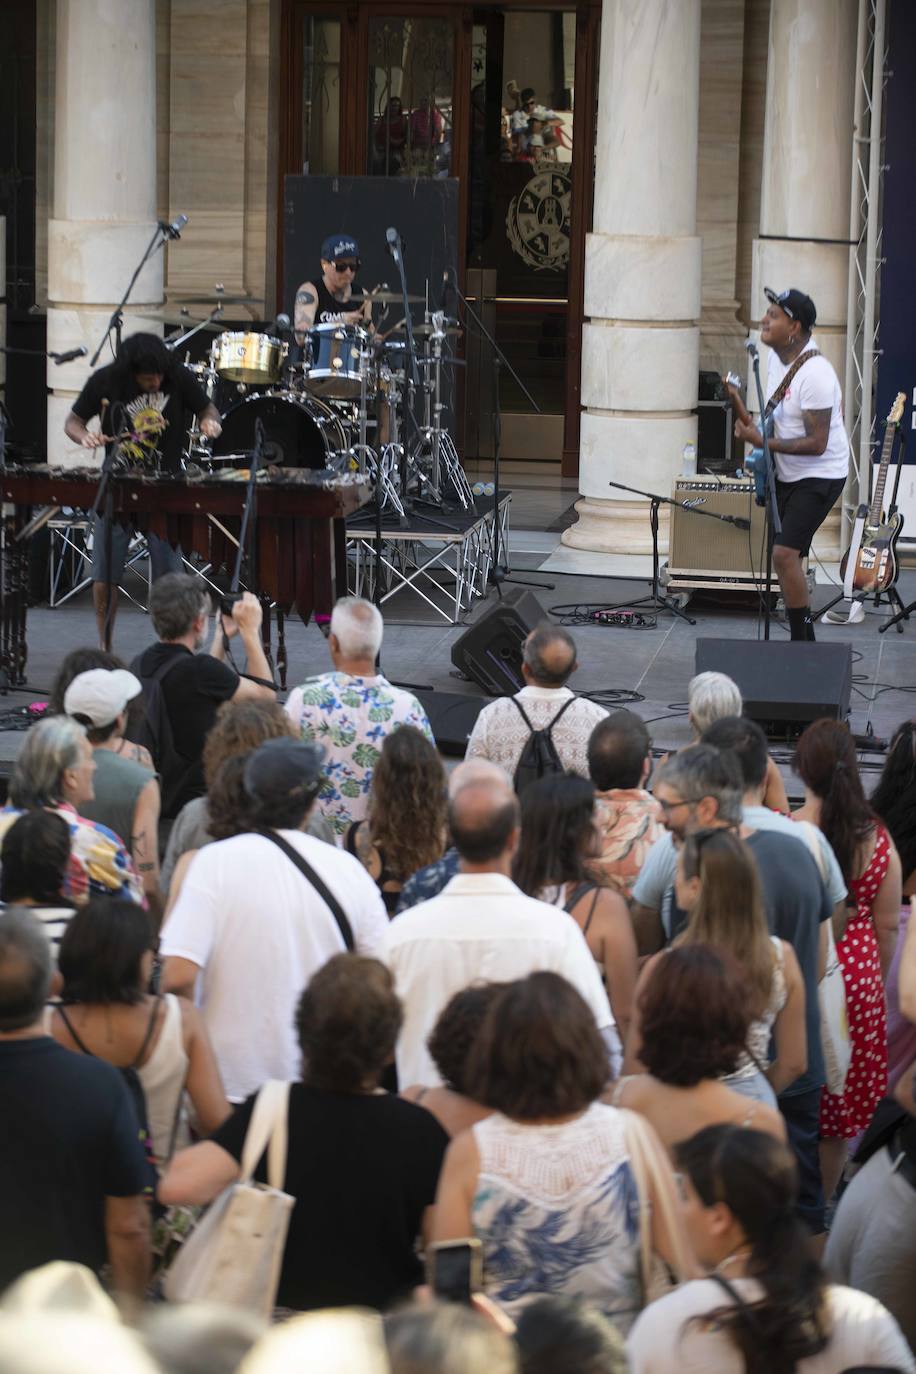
[(786, 382), (853, 556)]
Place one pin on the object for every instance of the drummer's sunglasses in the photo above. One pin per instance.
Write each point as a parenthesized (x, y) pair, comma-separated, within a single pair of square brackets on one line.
[(348, 265)]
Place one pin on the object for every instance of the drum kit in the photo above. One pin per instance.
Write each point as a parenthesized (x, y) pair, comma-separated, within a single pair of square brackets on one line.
[(345, 401)]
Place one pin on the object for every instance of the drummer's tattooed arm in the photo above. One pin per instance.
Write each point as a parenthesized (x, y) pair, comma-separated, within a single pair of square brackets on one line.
[(304, 311)]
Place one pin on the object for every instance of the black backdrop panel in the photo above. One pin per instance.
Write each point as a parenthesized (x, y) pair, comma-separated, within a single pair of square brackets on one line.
[(425, 212)]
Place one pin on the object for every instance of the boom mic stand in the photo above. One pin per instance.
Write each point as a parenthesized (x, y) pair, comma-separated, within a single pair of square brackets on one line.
[(161, 236), (497, 575), (655, 600), (773, 522)]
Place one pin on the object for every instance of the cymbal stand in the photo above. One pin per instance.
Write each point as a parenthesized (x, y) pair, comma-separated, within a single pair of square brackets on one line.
[(443, 455), (377, 467)]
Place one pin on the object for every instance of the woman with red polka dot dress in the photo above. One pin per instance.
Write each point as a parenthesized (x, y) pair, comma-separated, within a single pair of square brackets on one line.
[(825, 760)]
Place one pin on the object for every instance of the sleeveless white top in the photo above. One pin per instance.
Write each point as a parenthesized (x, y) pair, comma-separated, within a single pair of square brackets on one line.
[(163, 1077), (556, 1211)]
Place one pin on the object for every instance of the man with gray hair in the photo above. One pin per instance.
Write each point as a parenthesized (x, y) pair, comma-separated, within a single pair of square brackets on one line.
[(713, 696), (350, 711), (545, 703), (72, 1167), (183, 688)]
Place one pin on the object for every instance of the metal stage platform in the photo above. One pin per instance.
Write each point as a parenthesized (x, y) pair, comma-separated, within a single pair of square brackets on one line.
[(444, 559)]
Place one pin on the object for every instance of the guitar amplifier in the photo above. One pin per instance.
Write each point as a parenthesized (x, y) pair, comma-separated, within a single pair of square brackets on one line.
[(705, 553)]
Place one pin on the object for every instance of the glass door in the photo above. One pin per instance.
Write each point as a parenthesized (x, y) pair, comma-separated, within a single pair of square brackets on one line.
[(519, 223)]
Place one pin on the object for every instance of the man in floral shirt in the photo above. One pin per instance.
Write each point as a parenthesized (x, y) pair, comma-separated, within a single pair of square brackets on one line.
[(350, 711)]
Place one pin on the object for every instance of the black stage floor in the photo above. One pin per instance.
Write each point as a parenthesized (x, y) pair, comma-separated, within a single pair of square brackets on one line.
[(657, 663)]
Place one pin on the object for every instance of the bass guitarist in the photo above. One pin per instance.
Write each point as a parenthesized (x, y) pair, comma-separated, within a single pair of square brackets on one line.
[(809, 444)]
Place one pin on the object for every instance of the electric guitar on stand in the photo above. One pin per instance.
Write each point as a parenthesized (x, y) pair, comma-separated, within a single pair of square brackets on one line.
[(873, 554)]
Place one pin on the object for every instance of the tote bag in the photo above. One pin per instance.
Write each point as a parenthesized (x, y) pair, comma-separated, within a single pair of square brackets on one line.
[(234, 1254), (835, 1041)]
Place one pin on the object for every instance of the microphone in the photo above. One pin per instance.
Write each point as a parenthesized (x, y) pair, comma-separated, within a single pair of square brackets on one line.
[(394, 243), (447, 287), (69, 356), (173, 230), (281, 324), (751, 348)]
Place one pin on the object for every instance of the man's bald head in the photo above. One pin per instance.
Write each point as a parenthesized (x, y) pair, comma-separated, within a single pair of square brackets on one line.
[(550, 656), (483, 818), (476, 770)]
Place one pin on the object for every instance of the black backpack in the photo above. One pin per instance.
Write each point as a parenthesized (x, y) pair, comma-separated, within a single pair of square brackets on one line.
[(154, 732), (135, 1090), (539, 757)]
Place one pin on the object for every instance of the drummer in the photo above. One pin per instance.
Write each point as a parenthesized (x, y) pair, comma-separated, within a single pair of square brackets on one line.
[(331, 299)]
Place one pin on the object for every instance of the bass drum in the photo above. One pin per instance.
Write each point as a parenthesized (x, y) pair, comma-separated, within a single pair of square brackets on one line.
[(299, 432)]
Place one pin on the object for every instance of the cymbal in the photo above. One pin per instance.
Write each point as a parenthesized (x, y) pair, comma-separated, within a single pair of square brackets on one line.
[(177, 319), (216, 298), (451, 331), (390, 298)]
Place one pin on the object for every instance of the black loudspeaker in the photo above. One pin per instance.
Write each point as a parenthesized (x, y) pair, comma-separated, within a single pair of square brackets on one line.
[(452, 716), (490, 652), (784, 685)]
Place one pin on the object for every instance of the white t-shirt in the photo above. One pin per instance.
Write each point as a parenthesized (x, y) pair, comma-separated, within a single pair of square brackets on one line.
[(664, 1338), (814, 387), (258, 931), (481, 927)]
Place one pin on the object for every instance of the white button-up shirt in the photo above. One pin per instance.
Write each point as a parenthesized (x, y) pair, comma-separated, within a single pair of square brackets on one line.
[(480, 928)]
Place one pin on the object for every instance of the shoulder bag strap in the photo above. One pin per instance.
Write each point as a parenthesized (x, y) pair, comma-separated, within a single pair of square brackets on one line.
[(744, 1307), (267, 1130), (318, 883), (786, 382)]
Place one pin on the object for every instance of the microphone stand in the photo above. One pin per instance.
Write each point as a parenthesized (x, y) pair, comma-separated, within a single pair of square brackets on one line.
[(103, 493), (159, 239), (655, 600), (496, 574), (773, 522)]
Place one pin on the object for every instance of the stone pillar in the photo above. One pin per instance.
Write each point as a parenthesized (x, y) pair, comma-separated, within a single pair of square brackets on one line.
[(640, 348), (807, 163), (104, 187)]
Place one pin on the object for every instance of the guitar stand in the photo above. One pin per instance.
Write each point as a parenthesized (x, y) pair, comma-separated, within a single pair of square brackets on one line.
[(893, 596)]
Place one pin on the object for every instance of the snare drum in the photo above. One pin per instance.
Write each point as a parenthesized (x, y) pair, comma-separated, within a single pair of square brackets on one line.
[(248, 357), (334, 369)]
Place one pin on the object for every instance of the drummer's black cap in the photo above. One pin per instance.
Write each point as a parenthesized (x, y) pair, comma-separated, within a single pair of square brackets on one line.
[(796, 304), (339, 246)]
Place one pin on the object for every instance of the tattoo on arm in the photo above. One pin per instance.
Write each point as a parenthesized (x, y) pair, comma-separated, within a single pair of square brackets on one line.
[(814, 442), (304, 297)]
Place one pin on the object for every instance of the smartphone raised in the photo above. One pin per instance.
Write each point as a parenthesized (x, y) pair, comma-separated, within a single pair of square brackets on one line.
[(455, 1269)]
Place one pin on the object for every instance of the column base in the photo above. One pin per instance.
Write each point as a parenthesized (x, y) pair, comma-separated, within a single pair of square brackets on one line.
[(614, 527)]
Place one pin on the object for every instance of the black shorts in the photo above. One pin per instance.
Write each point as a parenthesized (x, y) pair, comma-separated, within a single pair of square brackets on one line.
[(803, 508)]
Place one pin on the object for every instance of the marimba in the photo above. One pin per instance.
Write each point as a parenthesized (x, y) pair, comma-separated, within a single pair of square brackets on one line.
[(297, 537)]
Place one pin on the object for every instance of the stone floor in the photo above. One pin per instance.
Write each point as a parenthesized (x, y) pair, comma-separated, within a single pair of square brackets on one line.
[(657, 663)]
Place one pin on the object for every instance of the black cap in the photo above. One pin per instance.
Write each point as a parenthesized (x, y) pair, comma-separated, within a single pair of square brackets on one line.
[(796, 305), (284, 769)]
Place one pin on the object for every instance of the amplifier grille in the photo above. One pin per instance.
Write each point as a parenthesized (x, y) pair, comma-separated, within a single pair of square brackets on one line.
[(702, 547)]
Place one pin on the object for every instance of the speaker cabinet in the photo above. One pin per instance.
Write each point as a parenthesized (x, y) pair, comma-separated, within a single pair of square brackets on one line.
[(490, 652), (784, 685), (713, 553)]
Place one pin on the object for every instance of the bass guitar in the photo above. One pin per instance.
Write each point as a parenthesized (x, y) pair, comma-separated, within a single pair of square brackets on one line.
[(875, 565)]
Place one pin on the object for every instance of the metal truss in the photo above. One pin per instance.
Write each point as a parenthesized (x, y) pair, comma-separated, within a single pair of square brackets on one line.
[(865, 236)]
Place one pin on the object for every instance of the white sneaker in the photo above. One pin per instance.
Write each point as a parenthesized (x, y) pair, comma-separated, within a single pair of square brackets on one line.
[(854, 616)]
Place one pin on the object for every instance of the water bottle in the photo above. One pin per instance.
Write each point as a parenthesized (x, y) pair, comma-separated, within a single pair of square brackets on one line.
[(689, 461)]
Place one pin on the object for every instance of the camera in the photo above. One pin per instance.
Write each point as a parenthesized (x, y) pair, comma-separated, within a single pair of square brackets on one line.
[(228, 600)]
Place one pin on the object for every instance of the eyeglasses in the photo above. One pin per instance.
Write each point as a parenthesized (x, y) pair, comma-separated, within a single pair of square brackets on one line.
[(672, 806), (348, 266)]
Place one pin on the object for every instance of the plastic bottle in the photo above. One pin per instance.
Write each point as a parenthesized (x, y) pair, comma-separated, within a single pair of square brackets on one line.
[(689, 461)]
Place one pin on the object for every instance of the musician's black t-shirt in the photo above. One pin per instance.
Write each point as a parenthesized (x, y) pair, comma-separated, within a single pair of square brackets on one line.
[(183, 397), (331, 311)]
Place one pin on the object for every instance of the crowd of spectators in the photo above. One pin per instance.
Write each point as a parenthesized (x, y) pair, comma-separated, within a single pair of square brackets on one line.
[(567, 1032)]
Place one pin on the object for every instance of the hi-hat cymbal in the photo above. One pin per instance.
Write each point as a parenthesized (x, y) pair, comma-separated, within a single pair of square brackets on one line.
[(451, 331)]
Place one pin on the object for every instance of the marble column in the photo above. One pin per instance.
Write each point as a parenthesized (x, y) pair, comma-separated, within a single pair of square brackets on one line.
[(640, 350), (807, 163), (104, 202)]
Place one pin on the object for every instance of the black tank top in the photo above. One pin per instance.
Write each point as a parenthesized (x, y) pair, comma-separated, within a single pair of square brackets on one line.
[(330, 311)]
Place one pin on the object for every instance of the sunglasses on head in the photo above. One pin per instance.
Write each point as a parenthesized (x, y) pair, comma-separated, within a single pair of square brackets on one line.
[(348, 265)]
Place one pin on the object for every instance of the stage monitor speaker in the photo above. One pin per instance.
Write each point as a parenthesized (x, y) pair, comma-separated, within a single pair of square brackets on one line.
[(784, 685), (452, 716), (490, 652), (713, 553)]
